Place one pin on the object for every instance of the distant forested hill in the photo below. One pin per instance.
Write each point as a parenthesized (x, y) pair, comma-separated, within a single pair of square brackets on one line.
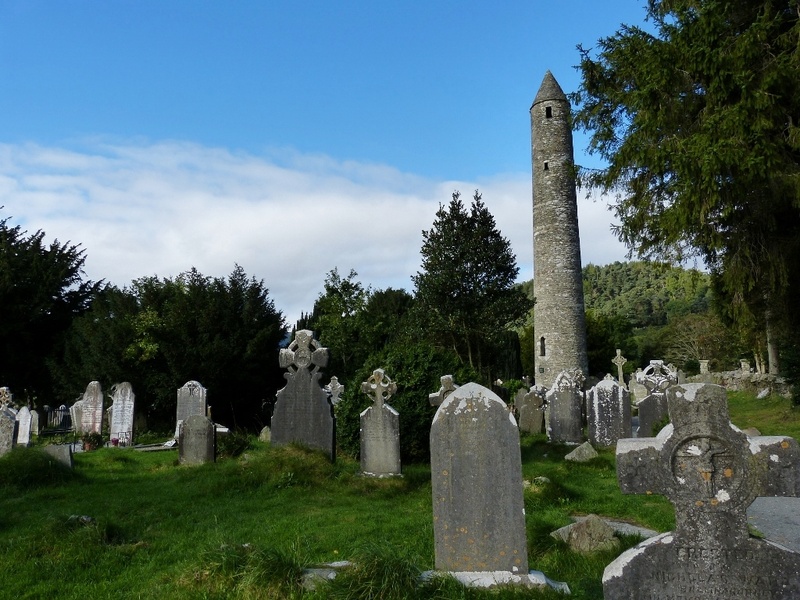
[(645, 293)]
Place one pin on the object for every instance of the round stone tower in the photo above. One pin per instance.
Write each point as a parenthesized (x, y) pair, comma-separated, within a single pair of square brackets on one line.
[(559, 323)]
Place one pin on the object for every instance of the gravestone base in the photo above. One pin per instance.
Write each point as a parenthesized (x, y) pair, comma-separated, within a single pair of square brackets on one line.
[(493, 579)]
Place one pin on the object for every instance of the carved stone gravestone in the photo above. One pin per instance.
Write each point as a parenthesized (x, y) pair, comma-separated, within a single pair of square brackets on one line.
[(530, 411), (476, 475), (657, 377), (448, 387), (197, 440), (302, 411), (608, 410), (380, 428), (8, 430), (564, 412), (192, 400), (24, 426), (122, 409), (711, 471), (34, 423), (336, 390), (87, 413), (619, 361)]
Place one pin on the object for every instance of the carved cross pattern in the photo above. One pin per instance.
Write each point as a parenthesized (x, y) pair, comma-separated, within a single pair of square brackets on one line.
[(710, 470), (336, 389), (656, 377), (379, 386), (447, 388), (569, 379), (303, 352)]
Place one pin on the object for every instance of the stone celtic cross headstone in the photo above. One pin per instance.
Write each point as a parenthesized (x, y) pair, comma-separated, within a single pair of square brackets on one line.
[(24, 426), (122, 410), (476, 475), (657, 377), (618, 361), (448, 387), (530, 410), (87, 413), (711, 471), (303, 413), (564, 412), (608, 411), (192, 400), (336, 389), (197, 441), (380, 428)]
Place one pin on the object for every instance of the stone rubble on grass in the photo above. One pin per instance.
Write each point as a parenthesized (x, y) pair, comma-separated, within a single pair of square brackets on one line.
[(583, 453)]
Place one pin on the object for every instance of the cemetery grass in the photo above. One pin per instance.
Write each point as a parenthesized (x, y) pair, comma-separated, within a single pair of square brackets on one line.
[(136, 525)]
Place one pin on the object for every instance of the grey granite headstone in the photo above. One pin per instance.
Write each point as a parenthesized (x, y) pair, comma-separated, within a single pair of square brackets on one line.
[(564, 412), (380, 428), (24, 426), (657, 378), (87, 413), (191, 401), (476, 475), (197, 441), (711, 471), (608, 411), (122, 411), (303, 413), (8, 430), (60, 452), (530, 410), (35, 423)]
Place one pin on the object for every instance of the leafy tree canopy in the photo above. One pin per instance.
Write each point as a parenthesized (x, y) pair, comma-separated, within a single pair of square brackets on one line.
[(42, 288), (698, 122), (465, 291)]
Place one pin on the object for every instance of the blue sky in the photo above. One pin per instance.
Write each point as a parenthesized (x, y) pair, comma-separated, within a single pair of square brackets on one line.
[(288, 137)]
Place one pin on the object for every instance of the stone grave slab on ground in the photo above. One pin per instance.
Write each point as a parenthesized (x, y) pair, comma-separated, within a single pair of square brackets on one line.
[(197, 441), (608, 411), (303, 412), (711, 471), (23, 426), (564, 412), (122, 411), (476, 473), (380, 428), (192, 400), (60, 452), (87, 413)]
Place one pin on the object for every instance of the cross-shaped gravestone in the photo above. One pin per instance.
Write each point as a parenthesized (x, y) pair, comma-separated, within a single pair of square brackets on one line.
[(303, 352), (653, 408), (711, 471), (620, 360), (303, 413), (380, 428), (336, 390), (6, 398), (447, 388)]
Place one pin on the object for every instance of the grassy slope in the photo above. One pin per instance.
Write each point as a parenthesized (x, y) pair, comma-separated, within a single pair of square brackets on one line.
[(164, 531)]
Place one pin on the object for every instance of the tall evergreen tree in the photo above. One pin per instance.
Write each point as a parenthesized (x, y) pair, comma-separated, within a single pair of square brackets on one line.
[(42, 288), (699, 121), (465, 291)]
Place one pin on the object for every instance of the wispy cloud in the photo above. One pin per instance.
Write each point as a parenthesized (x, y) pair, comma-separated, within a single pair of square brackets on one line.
[(141, 208)]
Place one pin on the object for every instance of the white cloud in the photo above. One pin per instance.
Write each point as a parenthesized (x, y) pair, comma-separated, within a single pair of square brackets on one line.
[(161, 208)]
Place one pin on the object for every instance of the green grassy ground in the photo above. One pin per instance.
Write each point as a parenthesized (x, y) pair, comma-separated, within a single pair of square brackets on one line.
[(245, 526)]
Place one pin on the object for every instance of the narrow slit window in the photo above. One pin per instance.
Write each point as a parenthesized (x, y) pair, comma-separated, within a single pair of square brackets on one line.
[(541, 346), (546, 166), (548, 112)]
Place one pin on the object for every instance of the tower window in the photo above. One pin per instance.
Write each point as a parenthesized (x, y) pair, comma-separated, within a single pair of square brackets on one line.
[(541, 346), (546, 166), (548, 112)]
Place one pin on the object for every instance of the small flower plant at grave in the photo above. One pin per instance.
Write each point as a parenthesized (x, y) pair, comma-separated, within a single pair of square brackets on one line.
[(92, 440)]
